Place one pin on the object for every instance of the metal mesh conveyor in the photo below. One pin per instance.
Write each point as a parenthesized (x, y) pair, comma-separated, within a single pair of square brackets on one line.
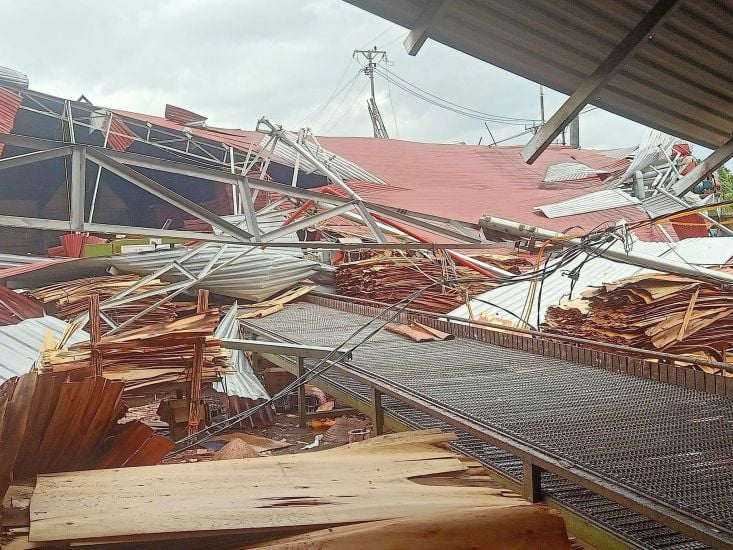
[(667, 443)]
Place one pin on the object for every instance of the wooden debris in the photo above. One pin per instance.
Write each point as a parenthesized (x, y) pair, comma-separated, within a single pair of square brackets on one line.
[(72, 298), (498, 528), (49, 425), (654, 311), (236, 448), (362, 482), (338, 434), (258, 443), (391, 279), (147, 356), (273, 305), (418, 332)]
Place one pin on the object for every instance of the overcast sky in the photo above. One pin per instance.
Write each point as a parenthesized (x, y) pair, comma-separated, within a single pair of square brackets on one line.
[(236, 60)]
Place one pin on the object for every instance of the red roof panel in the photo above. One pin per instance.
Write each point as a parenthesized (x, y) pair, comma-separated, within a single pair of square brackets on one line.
[(465, 182), (9, 105)]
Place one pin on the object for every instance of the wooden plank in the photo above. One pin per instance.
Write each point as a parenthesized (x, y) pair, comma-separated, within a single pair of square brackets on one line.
[(507, 528), (13, 425), (336, 486)]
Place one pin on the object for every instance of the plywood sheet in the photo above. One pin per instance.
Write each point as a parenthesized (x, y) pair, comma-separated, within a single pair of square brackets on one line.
[(334, 487)]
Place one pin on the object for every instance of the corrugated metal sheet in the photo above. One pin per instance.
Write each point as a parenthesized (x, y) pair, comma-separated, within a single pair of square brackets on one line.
[(346, 169), (120, 136), (596, 271), (660, 204), (569, 171), (13, 78), (690, 226), (649, 153), (15, 260), (20, 344), (9, 104), (592, 202), (464, 182), (266, 223), (677, 82), (255, 276), (183, 116), (244, 383)]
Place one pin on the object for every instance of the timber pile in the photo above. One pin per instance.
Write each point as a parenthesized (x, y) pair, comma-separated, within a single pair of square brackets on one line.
[(147, 356), (655, 311), (392, 279), (265, 498), (71, 298), (48, 424), (508, 262)]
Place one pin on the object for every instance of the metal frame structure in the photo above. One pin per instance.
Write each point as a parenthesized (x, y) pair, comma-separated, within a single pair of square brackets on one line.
[(607, 69), (124, 165)]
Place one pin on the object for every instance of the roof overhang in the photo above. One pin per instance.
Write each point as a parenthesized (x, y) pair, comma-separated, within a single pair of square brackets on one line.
[(676, 79)]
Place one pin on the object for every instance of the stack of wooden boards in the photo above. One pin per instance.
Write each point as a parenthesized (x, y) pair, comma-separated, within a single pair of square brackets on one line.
[(508, 262), (71, 298), (157, 354), (391, 279), (654, 311), (366, 487), (48, 424)]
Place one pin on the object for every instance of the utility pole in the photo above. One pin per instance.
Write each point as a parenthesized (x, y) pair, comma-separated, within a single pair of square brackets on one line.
[(542, 104), (373, 57)]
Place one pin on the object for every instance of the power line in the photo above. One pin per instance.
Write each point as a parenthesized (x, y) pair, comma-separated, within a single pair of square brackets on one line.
[(456, 105), (443, 104), (314, 116), (391, 106), (348, 109), (350, 85)]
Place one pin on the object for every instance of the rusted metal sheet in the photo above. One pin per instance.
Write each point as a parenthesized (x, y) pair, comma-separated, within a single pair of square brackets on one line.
[(9, 105)]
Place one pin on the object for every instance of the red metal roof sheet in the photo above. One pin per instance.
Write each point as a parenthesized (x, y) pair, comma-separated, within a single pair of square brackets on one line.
[(9, 104), (15, 307), (465, 182), (9, 272), (120, 136), (455, 181), (181, 115)]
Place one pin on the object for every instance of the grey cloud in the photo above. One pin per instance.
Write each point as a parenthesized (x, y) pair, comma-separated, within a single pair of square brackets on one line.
[(236, 60)]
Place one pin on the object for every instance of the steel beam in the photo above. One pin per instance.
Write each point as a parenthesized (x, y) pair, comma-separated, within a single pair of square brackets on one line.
[(719, 157), (36, 156), (153, 187), (154, 232), (302, 404), (284, 348), (77, 193), (420, 31), (306, 222), (142, 161), (249, 207), (590, 88), (416, 222), (35, 223), (614, 253)]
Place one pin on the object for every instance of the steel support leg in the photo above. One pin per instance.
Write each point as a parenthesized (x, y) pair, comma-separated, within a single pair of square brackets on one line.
[(532, 489), (302, 406), (377, 411)]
